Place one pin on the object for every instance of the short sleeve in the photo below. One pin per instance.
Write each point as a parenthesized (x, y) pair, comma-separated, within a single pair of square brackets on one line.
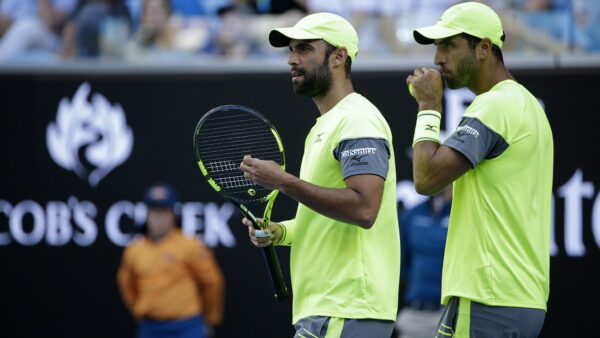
[(476, 141), (363, 156)]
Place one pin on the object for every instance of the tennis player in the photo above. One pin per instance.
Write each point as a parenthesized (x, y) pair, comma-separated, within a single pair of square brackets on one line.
[(344, 239), (495, 279)]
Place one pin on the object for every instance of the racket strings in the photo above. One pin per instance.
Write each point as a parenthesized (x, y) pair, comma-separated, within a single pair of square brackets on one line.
[(221, 166), (218, 148), (234, 182), (224, 139), (247, 132), (227, 121)]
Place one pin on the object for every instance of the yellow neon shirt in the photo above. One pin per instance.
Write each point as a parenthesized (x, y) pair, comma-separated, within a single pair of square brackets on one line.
[(339, 269), (498, 245)]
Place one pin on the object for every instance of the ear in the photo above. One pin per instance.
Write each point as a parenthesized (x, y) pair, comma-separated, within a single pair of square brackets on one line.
[(339, 56), (484, 50)]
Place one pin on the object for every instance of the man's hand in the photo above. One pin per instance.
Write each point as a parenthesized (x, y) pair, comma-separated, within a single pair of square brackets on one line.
[(266, 173), (427, 88), (272, 234)]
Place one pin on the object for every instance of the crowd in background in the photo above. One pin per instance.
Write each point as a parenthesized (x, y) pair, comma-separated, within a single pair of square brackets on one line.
[(141, 30)]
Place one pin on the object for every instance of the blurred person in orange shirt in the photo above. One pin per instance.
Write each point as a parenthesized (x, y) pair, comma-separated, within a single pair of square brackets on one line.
[(171, 284)]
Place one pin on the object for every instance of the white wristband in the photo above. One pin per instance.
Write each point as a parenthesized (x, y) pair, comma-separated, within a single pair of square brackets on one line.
[(427, 127)]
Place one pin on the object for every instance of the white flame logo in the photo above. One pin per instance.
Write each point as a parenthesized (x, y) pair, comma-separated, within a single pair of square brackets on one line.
[(96, 131)]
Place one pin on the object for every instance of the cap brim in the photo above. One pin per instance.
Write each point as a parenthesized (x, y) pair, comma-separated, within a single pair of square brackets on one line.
[(281, 37), (159, 204), (427, 35)]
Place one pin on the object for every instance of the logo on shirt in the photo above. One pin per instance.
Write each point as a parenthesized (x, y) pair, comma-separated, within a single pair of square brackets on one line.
[(357, 158), (466, 130), (357, 155), (319, 139)]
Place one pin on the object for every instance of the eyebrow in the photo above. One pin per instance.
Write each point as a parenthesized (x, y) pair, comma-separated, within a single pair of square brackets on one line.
[(301, 44), (444, 40)]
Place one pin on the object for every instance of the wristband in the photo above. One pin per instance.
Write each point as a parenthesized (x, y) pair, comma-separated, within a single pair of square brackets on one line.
[(427, 127), (285, 240)]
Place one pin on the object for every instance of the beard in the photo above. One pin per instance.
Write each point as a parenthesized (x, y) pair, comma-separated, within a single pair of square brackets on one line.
[(464, 73), (316, 82)]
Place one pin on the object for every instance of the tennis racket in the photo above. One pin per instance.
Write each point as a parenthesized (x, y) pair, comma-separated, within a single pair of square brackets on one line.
[(222, 138)]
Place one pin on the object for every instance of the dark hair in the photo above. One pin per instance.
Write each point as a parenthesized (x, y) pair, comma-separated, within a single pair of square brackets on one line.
[(347, 65), (473, 41)]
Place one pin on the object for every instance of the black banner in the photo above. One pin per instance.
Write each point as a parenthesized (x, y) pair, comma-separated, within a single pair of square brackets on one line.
[(78, 151)]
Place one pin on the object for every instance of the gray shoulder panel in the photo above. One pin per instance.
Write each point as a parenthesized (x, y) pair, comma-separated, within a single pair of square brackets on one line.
[(476, 141), (363, 156)]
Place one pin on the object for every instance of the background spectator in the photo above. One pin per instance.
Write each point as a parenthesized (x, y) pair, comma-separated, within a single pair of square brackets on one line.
[(166, 34), (587, 24), (32, 26), (96, 21), (179, 30)]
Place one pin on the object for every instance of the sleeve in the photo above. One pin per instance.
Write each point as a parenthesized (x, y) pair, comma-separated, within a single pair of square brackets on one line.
[(288, 232), (209, 277), (363, 156), (126, 282), (476, 141)]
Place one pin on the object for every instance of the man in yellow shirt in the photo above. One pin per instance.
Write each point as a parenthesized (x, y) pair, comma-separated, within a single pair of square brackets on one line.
[(496, 270), (170, 283), (344, 239)]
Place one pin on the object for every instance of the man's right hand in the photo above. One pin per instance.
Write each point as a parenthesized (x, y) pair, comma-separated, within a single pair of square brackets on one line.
[(272, 234), (427, 88)]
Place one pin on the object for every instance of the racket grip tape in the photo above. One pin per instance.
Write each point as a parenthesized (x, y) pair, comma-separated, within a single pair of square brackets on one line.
[(275, 273)]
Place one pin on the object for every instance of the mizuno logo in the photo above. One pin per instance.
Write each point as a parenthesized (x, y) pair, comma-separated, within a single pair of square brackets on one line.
[(356, 155), (89, 138), (319, 139), (357, 158), (430, 127)]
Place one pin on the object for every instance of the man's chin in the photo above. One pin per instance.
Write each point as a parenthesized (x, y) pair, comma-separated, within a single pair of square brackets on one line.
[(299, 90), (452, 85)]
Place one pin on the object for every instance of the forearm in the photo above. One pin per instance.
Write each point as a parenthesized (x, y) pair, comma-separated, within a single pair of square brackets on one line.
[(356, 204), (436, 166), (426, 171), (346, 204)]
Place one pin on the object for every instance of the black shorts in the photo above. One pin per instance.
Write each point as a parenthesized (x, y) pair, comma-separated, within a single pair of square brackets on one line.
[(464, 318)]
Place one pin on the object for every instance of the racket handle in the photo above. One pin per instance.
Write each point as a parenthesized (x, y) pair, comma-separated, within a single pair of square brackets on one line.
[(275, 274), (281, 290)]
